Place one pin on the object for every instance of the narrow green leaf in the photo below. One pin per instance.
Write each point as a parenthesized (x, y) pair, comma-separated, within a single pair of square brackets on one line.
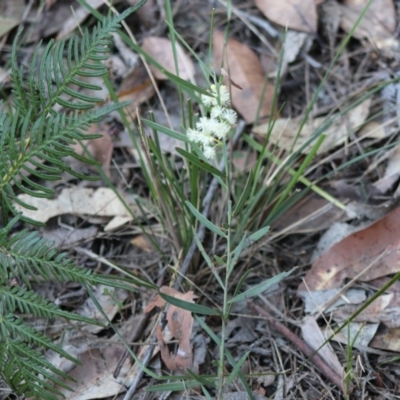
[(200, 163), (254, 291), (259, 234), (245, 194), (229, 356), (208, 259), (237, 251), (166, 131), (172, 387), (204, 220), (201, 379), (236, 368), (185, 305)]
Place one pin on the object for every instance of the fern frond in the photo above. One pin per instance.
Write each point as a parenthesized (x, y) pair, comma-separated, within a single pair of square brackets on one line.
[(55, 76), (36, 132), (49, 140), (33, 142), (26, 301), (28, 372), (26, 256), (17, 329)]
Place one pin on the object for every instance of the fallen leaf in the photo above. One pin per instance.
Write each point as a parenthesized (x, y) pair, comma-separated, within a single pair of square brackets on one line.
[(94, 378), (334, 234), (137, 88), (327, 300), (379, 22), (358, 334), (367, 254), (314, 337), (300, 15), (11, 13), (65, 238), (147, 13), (161, 50), (110, 301), (392, 171), (295, 42), (101, 149), (180, 323), (285, 131), (387, 339), (143, 243), (245, 69), (385, 309), (77, 201), (76, 17), (240, 330), (312, 213)]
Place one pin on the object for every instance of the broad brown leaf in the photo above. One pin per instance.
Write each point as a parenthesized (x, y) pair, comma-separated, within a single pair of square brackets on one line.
[(300, 15), (368, 254), (161, 50), (244, 68)]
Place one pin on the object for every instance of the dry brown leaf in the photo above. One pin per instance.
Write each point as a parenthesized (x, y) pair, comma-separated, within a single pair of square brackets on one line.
[(147, 13), (366, 254), (161, 50), (180, 323), (137, 88), (387, 339), (310, 214), (77, 17), (65, 238), (143, 243), (392, 171), (285, 130), (245, 70), (300, 15), (101, 149), (385, 309), (314, 337), (360, 335), (94, 379), (101, 202), (378, 25), (11, 13)]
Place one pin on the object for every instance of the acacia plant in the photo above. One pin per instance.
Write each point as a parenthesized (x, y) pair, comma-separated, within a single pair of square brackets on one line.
[(34, 139)]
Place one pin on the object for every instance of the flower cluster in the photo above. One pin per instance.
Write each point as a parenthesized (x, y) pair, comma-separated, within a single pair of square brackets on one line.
[(210, 131)]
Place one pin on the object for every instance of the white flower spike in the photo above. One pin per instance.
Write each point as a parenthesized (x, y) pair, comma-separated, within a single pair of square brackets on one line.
[(212, 131)]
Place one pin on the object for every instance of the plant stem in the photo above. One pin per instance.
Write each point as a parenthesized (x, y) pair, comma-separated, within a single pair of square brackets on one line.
[(229, 267)]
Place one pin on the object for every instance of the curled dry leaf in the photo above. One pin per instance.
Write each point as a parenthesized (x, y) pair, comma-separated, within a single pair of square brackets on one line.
[(161, 50), (300, 15), (285, 131), (367, 254), (246, 71), (180, 323)]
